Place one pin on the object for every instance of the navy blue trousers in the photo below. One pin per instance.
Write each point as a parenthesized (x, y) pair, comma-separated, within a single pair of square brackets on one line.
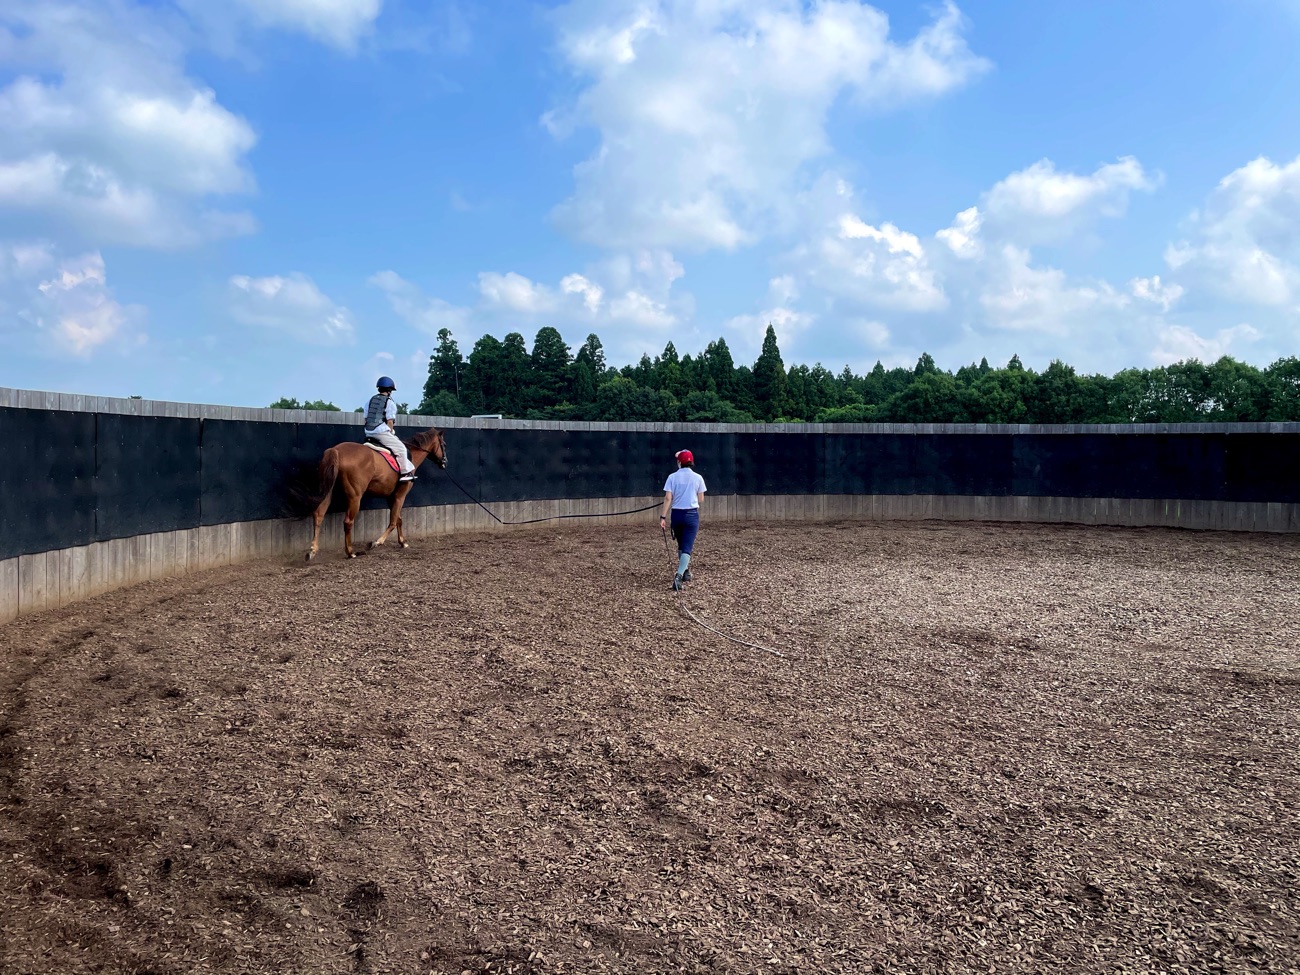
[(685, 525)]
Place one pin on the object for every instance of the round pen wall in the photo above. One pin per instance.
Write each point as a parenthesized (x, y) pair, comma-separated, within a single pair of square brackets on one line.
[(99, 493)]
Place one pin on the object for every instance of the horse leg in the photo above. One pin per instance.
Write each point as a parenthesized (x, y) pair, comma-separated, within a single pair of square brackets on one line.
[(392, 523), (394, 517), (317, 517), (354, 505), (329, 471)]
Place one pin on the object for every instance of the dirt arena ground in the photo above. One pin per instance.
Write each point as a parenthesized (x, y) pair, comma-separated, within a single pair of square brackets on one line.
[(986, 748)]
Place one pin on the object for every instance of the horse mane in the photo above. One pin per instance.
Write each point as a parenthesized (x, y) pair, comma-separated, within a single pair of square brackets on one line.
[(424, 441)]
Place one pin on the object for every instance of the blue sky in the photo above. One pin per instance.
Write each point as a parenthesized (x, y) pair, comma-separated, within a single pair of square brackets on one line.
[(232, 202)]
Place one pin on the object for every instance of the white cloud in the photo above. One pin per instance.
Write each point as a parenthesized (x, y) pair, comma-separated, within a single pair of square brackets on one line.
[(429, 315), (708, 111), (291, 304), (1157, 292), (1177, 343), (61, 305), (1246, 241), (621, 297), (875, 334), (103, 136), (592, 294), (340, 23), (1042, 192), (962, 237), (874, 266), (788, 322), (1041, 204), (515, 292), (1020, 296), (635, 308)]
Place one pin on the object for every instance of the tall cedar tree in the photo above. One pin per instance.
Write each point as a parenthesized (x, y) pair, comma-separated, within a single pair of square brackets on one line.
[(548, 370), (445, 367), (769, 379)]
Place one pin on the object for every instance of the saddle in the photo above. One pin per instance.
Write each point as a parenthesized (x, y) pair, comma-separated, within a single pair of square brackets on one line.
[(387, 454)]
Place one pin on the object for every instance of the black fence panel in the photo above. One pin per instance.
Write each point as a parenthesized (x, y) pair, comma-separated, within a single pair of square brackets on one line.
[(715, 461), (962, 464), (47, 480), (70, 478), (245, 472), (777, 463), (1261, 467), (1190, 467), (888, 464), (147, 475)]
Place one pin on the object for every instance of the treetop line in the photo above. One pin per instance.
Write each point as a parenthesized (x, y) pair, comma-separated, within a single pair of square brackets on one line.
[(553, 383)]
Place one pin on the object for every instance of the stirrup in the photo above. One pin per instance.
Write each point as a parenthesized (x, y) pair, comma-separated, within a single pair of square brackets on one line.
[(407, 477)]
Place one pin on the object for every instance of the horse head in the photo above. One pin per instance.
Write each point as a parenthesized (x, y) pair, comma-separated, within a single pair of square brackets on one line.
[(433, 443), (439, 453)]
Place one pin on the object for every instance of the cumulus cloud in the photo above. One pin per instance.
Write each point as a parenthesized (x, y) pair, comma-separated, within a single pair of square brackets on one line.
[(340, 23), (1157, 292), (622, 296), (515, 292), (291, 304), (637, 308), (1246, 239), (103, 136), (1041, 204), (1178, 343), (963, 237), (591, 293), (1019, 295), (1043, 193), (59, 304), (708, 112), (883, 266)]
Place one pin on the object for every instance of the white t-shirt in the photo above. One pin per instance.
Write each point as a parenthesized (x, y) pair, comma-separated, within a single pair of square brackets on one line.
[(686, 486)]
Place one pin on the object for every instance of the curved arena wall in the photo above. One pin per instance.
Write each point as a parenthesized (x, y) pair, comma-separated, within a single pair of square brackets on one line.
[(99, 493)]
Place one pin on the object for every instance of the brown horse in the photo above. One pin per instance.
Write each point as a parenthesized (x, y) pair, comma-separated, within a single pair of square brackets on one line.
[(361, 470)]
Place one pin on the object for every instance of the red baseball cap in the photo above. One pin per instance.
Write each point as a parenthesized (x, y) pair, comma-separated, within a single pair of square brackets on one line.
[(685, 457)]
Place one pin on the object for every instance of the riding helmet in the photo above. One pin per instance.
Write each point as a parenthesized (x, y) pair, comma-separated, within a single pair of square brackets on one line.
[(386, 383)]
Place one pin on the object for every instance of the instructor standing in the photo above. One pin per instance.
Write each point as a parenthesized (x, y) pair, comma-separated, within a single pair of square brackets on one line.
[(682, 494)]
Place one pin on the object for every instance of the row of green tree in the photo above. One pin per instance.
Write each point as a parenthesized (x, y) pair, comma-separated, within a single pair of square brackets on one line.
[(550, 381)]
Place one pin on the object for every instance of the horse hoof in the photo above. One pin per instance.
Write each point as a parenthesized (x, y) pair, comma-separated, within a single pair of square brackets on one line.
[(406, 545), (352, 555), (310, 556)]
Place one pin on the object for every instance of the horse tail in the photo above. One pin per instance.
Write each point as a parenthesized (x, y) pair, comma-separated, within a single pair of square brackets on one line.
[(304, 499), (329, 473)]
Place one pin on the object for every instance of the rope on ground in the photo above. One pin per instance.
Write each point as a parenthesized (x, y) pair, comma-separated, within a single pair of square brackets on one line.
[(681, 605), (681, 599), (533, 521)]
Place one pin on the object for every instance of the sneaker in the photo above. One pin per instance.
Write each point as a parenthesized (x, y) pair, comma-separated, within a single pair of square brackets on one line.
[(677, 583), (687, 577), (407, 477)]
